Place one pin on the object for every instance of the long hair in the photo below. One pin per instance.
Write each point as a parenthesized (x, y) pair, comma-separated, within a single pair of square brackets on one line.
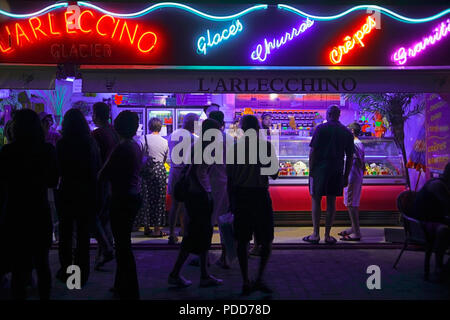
[(27, 127), (74, 124)]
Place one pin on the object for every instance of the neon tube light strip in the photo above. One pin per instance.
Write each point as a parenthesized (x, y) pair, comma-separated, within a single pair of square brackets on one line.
[(34, 14), (387, 12), (174, 5)]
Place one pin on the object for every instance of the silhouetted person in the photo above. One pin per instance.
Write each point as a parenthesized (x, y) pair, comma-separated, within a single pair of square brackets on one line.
[(432, 206), (248, 189), (328, 176), (122, 171), (107, 139), (28, 170), (79, 163), (177, 209), (199, 207)]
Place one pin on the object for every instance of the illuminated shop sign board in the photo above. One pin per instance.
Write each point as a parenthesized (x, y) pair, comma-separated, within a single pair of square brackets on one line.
[(176, 34)]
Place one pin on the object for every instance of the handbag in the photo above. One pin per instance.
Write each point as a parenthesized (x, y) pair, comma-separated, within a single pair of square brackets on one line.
[(147, 162)]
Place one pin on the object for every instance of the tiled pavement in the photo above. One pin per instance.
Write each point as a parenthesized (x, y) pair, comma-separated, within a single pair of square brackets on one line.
[(293, 274)]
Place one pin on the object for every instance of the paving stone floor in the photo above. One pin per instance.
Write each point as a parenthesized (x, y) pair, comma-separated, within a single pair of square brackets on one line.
[(293, 274)]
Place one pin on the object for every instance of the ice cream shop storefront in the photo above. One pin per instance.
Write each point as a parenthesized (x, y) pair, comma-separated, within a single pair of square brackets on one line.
[(386, 67)]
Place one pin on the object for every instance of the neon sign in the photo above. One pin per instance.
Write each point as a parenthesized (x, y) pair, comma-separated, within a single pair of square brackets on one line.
[(263, 50), (401, 55), (46, 27), (337, 52), (205, 42)]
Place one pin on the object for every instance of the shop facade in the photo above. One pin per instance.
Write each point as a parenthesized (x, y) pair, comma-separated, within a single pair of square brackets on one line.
[(168, 59)]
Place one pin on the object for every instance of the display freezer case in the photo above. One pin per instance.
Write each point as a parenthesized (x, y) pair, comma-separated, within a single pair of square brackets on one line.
[(384, 180), (182, 112), (167, 118), (383, 161)]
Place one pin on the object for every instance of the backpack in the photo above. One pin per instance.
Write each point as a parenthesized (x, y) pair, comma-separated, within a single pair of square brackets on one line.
[(181, 187)]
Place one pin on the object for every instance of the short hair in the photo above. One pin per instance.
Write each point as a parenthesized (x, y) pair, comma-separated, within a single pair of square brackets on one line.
[(266, 114), (154, 125), (26, 127), (249, 122), (101, 111), (334, 112), (218, 116), (126, 124), (446, 174), (356, 127), (189, 121)]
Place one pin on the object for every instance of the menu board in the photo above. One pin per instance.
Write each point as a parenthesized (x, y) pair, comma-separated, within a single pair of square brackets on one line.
[(437, 131)]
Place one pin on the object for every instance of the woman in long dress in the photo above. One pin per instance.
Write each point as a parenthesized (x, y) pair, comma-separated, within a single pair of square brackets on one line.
[(154, 181)]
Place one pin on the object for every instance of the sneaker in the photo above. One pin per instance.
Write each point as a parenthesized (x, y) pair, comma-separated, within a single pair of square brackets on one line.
[(262, 286), (179, 282), (210, 282)]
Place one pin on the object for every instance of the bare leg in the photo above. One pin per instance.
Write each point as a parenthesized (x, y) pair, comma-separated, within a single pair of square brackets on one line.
[(173, 215), (265, 255), (331, 212), (354, 217), (242, 253), (203, 262), (316, 210), (182, 256)]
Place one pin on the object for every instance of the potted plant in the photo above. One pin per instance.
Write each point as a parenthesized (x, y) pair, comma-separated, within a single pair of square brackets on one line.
[(397, 108)]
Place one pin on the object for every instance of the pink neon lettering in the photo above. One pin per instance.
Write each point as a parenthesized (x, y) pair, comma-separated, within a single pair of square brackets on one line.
[(401, 55)]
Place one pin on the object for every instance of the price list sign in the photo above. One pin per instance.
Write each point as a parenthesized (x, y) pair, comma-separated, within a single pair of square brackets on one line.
[(438, 131)]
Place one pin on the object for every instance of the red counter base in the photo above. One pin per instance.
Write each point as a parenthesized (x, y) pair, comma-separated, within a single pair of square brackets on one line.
[(373, 198)]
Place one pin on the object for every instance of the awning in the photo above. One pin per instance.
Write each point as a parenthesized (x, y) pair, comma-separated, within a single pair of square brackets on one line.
[(299, 80), (41, 77)]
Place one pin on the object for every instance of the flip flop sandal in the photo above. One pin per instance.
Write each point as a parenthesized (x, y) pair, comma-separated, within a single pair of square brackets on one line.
[(330, 240), (343, 233), (349, 238), (308, 239)]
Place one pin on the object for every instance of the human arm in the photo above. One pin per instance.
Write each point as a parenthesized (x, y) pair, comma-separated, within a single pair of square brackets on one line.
[(349, 151)]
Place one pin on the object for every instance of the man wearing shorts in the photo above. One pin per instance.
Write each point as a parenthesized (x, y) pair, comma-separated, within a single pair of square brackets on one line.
[(330, 143), (251, 205)]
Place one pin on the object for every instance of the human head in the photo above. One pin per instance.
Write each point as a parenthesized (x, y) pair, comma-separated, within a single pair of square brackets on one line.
[(207, 125), (154, 125), (333, 113), (126, 124), (266, 120), (100, 114), (446, 175), (355, 128), (211, 108), (249, 122), (46, 120), (218, 116), (189, 121), (27, 127), (74, 124)]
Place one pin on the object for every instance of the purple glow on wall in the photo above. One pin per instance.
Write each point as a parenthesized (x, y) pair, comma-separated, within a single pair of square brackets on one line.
[(263, 50), (402, 54)]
